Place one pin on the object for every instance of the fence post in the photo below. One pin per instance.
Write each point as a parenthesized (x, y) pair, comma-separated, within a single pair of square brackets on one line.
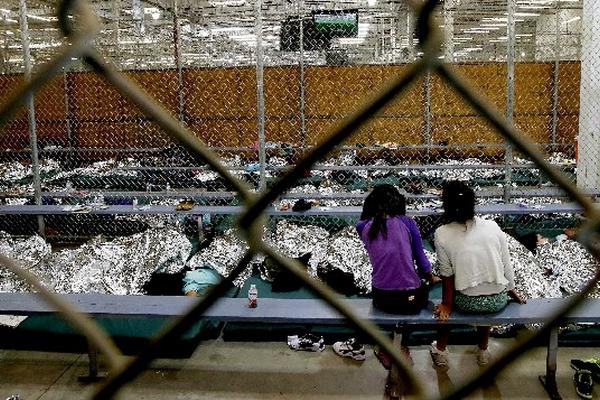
[(302, 94), (35, 162), (69, 117), (177, 56), (510, 93), (588, 168), (555, 80), (260, 95)]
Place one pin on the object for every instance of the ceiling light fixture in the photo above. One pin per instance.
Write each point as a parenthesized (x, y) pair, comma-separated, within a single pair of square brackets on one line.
[(572, 20)]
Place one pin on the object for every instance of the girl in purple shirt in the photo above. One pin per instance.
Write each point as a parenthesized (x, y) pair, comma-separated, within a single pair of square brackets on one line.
[(395, 249)]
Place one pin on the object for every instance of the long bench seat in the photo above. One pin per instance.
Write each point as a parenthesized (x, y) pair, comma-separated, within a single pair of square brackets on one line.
[(314, 311)]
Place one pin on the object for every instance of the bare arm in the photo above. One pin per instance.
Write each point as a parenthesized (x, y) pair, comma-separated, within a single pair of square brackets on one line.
[(444, 310)]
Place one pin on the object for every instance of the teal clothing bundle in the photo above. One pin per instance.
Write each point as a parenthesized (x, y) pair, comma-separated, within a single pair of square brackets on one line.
[(200, 280)]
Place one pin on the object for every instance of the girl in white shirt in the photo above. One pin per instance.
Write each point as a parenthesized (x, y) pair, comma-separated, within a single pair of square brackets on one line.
[(477, 275)]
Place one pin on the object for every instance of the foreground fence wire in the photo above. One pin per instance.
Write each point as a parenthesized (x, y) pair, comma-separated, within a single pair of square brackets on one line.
[(78, 14)]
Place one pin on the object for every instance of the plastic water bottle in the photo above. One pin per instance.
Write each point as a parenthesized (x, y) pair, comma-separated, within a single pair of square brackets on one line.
[(252, 296)]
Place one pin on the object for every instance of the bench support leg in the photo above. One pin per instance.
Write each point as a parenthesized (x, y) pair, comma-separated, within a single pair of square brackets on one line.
[(394, 385), (549, 380), (93, 375)]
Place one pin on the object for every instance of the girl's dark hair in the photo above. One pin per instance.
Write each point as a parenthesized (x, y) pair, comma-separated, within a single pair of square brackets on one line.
[(458, 201), (385, 200)]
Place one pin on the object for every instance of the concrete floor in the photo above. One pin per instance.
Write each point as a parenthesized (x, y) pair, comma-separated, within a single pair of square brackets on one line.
[(234, 370)]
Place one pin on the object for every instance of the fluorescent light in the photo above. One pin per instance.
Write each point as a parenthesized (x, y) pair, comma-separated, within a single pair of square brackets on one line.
[(526, 14), (216, 3), (572, 20), (14, 21), (229, 29), (10, 33), (141, 41), (371, 3), (532, 7), (47, 19), (351, 40), (4, 10), (243, 37)]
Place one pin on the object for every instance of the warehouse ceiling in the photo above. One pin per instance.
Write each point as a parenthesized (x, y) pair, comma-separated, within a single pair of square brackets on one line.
[(141, 34)]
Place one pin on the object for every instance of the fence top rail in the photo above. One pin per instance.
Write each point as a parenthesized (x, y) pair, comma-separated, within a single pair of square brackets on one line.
[(325, 167), (523, 191), (340, 211)]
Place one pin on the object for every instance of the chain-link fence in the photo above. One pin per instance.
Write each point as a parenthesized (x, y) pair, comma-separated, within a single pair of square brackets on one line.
[(263, 85)]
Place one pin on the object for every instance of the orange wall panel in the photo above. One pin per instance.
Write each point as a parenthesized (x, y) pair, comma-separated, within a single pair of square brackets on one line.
[(569, 78), (406, 131), (283, 131), (489, 78), (336, 91), (319, 129), (409, 103), (463, 130), (220, 92), (537, 128), (533, 88), (282, 92), (121, 135)]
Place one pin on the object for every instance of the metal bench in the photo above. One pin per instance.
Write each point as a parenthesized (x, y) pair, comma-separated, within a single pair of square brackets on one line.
[(311, 311)]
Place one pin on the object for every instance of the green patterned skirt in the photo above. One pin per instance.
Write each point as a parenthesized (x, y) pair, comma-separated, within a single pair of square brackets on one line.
[(485, 304)]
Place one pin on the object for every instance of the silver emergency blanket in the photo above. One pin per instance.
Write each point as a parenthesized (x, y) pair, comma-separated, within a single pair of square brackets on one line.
[(569, 264), (29, 252), (433, 260), (103, 168), (223, 254), (296, 240), (530, 281), (346, 252), (121, 266)]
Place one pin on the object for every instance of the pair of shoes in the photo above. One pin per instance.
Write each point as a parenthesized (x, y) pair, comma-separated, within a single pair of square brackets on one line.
[(383, 357), (584, 383), (307, 342), (439, 357), (350, 349), (483, 357), (591, 364)]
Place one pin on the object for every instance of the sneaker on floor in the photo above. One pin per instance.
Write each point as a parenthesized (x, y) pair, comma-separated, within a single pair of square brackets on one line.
[(439, 357), (483, 357), (351, 349), (584, 384), (591, 364), (307, 342)]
